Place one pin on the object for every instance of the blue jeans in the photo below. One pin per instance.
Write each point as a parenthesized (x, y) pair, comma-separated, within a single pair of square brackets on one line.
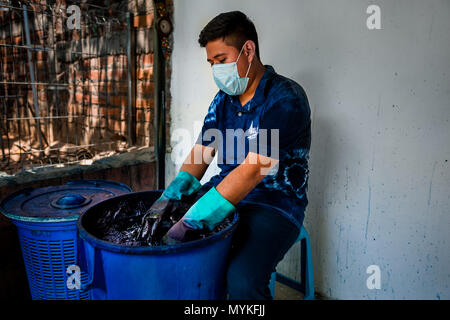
[(260, 241)]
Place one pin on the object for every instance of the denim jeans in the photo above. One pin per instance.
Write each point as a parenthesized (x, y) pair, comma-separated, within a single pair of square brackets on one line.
[(261, 239)]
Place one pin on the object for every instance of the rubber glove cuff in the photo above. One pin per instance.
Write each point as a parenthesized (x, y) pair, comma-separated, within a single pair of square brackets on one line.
[(211, 209), (184, 184), (179, 229)]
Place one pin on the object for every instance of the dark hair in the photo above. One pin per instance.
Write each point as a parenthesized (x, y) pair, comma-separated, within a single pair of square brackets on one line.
[(234, 27)]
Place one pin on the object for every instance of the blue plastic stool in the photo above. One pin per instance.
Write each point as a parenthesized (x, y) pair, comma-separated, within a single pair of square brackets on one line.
[(306, 286)]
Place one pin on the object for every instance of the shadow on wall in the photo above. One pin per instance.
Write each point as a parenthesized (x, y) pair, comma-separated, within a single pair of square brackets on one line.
[(323, 166), (321, 161)]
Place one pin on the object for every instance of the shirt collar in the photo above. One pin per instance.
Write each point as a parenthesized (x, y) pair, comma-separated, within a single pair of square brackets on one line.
[(260, 93)]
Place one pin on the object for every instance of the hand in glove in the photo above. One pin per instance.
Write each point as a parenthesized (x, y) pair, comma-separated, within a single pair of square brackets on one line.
[(172, 204), (211, 209)]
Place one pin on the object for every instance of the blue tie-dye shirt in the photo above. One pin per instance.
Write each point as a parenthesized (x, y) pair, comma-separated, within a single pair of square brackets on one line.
[(279, 103)]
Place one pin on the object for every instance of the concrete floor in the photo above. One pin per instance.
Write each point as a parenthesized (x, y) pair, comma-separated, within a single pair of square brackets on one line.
[(283, 292)]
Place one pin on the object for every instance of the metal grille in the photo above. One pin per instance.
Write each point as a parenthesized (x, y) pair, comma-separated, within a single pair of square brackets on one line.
[(46, 262), (58, 107)]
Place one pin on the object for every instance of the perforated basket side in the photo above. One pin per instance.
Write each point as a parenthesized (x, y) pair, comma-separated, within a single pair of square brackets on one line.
[(46, 263)]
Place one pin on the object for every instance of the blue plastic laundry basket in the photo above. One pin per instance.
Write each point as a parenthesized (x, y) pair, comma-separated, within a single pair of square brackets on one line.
[(46, 221)]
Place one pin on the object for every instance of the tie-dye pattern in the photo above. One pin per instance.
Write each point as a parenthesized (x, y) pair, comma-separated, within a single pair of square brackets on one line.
[(292, 175), (279, 103)]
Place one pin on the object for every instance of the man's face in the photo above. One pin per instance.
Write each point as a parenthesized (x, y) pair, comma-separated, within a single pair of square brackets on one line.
[(218, 52)]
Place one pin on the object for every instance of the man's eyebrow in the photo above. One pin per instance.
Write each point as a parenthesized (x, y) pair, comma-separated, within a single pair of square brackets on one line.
[(216, 56)]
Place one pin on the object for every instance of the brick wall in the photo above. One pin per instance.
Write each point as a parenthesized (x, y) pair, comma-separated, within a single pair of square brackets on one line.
[(91, 109)]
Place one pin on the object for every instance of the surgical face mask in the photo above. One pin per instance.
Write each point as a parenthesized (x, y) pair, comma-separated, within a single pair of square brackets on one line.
[(227, 77)]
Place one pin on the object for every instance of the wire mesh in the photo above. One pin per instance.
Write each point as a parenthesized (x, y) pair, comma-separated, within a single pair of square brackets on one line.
[(62, 92)]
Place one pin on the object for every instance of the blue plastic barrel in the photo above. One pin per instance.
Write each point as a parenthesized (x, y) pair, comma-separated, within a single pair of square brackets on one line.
[(192, 270), (46, 225)]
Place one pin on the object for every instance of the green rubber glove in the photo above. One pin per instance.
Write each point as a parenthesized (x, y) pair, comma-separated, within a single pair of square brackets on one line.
[(209, 210), (184, 184), (157, 219)]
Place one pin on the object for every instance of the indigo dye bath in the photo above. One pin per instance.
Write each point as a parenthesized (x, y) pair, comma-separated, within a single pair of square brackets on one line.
[(128, 225)]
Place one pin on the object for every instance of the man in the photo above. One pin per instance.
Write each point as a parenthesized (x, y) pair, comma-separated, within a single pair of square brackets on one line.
[(264, 177)]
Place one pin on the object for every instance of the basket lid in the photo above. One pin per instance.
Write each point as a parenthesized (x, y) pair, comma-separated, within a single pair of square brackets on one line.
[(59, 203)]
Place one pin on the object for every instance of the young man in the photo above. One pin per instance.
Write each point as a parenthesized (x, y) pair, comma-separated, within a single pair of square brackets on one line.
[(259, 125)]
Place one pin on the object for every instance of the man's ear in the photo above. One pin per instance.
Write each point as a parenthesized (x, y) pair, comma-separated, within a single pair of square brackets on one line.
[(250, 50)]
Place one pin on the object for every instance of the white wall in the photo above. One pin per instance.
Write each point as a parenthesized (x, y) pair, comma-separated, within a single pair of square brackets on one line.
[(380, 157)]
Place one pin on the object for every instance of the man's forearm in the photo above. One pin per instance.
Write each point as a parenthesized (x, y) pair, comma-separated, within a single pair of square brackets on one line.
[(198, 160), (239, 182), (219, 202)]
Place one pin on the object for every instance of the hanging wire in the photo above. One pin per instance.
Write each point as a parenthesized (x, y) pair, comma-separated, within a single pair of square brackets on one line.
[(57, 11), (95, 16)]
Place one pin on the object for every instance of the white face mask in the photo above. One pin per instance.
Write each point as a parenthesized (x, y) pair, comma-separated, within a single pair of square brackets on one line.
[(227, 77)]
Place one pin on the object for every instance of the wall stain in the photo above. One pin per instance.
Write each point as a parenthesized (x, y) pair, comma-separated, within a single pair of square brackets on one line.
[(368, 209), (346, 183), (431, 183), (377, 127)]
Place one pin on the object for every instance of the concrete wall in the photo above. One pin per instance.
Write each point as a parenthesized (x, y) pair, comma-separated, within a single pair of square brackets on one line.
[(379, 187)]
